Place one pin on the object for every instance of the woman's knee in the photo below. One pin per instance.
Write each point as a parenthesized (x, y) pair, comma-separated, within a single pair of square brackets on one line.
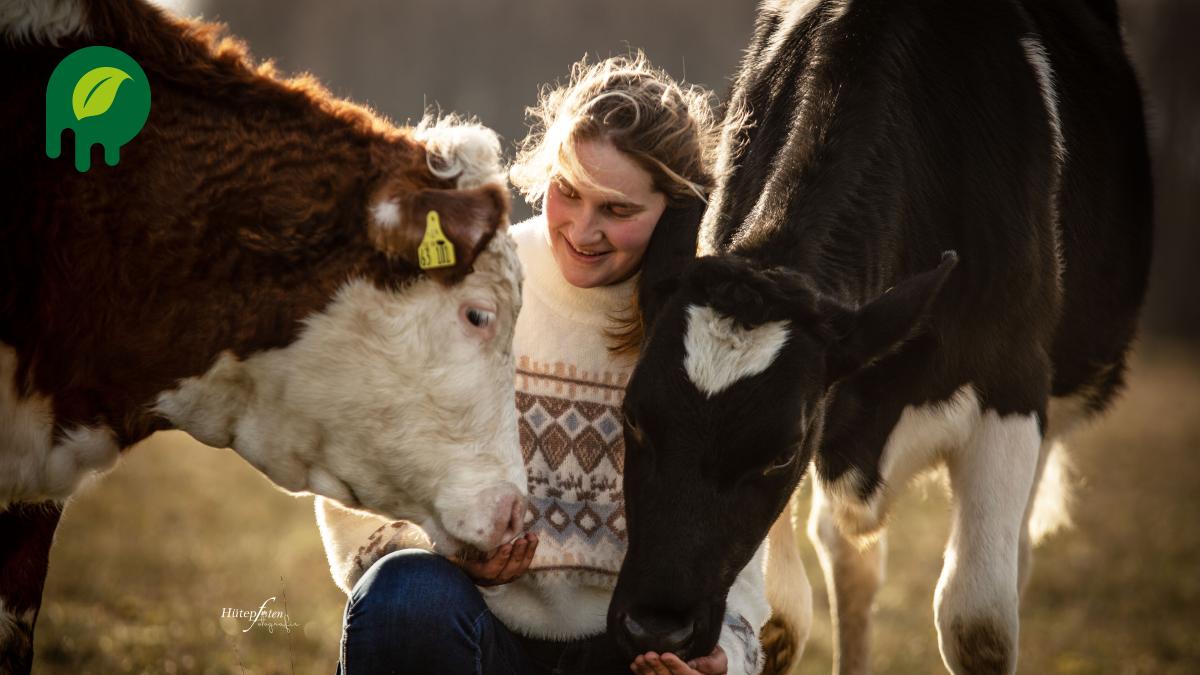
[(415, 587)]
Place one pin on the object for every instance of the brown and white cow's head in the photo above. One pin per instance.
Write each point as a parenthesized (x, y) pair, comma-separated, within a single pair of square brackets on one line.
[(396, 396)]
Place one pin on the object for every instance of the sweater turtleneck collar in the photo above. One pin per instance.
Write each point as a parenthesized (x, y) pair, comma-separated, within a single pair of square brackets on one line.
[(598, 306)]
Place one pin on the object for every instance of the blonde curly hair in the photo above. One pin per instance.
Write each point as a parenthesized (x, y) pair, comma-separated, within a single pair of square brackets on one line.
[(668, 128)]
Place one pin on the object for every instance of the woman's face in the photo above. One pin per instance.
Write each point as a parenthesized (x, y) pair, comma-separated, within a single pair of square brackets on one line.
[(599, 239)]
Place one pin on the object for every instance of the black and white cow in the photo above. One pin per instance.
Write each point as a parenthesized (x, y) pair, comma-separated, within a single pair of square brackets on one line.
[(929, 245)]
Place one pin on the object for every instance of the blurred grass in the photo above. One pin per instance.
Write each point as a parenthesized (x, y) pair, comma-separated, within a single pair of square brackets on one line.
[(148, 557), (145, 562)]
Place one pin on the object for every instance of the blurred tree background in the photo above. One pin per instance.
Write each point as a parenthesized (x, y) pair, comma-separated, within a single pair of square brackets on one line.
[(485, 58), (150, 557)]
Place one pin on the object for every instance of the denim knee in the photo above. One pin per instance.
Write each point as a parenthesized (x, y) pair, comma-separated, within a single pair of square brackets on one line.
[(417, 589)]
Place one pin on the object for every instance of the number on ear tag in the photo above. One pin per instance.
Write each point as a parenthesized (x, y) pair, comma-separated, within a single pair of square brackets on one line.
[(435, 250)]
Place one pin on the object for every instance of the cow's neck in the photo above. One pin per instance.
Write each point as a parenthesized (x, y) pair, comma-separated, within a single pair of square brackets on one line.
[(804, 186)]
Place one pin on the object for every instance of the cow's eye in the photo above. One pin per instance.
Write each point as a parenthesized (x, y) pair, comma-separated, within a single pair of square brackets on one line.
[(634, 429), (782, 462), (480, 318)]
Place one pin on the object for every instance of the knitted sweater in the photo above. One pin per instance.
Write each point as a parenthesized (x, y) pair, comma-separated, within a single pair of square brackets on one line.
[(569, 391)]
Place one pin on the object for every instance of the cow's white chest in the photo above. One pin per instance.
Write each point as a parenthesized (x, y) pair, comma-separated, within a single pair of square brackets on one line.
[(33, 466), (924, 435)]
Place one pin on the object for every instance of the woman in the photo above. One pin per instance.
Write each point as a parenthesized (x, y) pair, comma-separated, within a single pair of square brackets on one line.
[(617, 153)]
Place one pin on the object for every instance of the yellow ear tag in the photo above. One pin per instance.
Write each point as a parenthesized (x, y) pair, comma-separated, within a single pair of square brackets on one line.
[(435, 250)]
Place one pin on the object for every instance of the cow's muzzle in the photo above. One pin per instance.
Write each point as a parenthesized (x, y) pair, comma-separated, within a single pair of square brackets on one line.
[(656, 631)]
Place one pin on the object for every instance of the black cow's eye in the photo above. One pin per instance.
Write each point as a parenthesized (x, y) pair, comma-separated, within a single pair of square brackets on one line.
[(634, 429), (782, 462), (479, 318)]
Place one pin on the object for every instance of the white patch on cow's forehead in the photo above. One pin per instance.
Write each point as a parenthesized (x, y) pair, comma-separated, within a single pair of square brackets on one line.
[(720, 353), (32, 466), (385, 213), (43, 21), (466, 151)]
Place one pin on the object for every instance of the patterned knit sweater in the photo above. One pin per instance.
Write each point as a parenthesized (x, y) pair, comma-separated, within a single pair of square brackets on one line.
[(569, 391)]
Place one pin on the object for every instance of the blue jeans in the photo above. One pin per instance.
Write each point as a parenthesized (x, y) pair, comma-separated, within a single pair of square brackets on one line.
[(415, 612)]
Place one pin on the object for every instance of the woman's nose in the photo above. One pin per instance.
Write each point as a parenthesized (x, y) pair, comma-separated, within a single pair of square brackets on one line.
[(585, 227)]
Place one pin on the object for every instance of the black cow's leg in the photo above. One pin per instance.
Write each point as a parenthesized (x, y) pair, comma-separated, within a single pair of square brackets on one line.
[(26, 533), (976, 604), (853, 574)]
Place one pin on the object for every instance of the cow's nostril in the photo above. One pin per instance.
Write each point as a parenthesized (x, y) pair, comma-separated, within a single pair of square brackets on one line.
[(650, 631), (509, 518), (516, 519)]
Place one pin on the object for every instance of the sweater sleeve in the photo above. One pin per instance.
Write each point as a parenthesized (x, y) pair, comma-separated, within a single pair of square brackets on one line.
[(354, 540), (746, 611)]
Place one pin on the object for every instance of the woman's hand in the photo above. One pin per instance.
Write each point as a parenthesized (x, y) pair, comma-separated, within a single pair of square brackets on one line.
[(502, 565), (668, 664)]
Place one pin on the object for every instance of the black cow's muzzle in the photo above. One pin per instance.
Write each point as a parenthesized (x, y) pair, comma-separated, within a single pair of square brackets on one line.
[(638, 630), (660, 632)]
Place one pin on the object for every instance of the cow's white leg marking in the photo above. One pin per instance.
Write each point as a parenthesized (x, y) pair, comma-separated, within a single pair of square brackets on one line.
[(719, 352), (847, 531), (976, 603), (45, 21), (789, 595), (853, 574), (32, 466)]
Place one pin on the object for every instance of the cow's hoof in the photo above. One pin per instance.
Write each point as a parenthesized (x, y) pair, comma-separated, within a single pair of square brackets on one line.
[(16, 643), (781, 648)]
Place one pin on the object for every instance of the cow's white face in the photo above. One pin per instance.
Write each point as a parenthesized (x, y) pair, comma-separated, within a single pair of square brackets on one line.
[(400, 403)]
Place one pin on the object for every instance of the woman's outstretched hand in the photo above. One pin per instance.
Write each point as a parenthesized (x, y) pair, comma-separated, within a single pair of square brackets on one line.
[(503, 565), (668, 664)]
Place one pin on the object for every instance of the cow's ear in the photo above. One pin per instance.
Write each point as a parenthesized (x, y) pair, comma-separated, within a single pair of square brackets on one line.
[(429, 228), (863, 336), (672, 247)]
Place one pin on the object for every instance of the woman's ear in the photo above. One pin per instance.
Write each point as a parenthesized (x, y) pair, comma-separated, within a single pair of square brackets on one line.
[(672, 247)]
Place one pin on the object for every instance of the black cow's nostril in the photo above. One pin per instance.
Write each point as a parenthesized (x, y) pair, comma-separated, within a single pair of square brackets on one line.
[(650, 631)]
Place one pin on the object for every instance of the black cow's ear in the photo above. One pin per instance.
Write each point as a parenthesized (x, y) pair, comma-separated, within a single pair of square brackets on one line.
[(863, 336), (672, 247)]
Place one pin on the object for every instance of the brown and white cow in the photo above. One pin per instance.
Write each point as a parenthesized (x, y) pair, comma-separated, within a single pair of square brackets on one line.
[(247, 273)]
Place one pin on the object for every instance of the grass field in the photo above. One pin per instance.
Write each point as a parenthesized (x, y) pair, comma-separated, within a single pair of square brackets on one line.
[(150, 557)]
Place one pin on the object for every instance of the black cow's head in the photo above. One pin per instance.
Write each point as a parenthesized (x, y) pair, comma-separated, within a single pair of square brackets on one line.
[(722, 415)]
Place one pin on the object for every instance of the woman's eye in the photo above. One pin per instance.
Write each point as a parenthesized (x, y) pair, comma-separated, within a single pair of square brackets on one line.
[(479, 318), (782, 462), (566, 190)]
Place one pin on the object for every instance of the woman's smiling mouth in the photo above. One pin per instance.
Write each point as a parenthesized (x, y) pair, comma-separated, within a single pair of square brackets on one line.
[(584, 256)]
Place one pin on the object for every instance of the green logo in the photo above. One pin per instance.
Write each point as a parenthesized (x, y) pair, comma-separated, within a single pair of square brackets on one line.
[(101, 95)]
